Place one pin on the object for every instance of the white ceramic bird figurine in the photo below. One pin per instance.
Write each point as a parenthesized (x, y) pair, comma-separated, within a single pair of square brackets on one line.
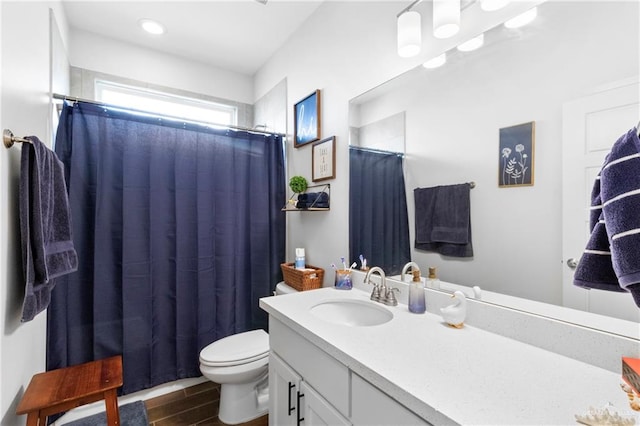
[(454, 314)]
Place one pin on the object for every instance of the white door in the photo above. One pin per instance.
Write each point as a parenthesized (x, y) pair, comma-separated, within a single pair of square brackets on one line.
[(591, 125), (284, 386)]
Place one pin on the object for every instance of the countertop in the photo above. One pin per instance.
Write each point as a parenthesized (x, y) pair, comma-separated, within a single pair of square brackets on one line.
[(454, 376)]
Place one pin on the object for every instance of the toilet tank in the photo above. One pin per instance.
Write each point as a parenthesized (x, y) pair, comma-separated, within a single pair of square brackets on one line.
[(282, 288)]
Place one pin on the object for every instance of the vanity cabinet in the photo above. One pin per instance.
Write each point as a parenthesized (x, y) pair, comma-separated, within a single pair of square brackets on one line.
[(304, 382), (317, 411), (309, 387), (284, 389), (293, 402)]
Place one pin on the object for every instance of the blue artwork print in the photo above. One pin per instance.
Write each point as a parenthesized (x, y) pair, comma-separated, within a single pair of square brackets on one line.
[(516, 155), (307, 119)]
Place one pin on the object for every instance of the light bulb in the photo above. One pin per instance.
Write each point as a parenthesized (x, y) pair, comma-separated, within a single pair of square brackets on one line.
[(446, 18), (436, 62), (473, 44), (151, 26), (522, 19), (409, 34)]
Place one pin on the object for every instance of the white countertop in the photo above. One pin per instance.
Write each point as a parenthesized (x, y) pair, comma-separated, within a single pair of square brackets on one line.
[(461, 376)]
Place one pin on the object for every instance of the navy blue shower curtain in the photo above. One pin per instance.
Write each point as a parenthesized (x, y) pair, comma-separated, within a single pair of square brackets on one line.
[(178, 231), (378, 221)]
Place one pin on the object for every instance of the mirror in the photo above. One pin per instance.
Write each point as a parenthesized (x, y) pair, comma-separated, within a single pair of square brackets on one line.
[(453, 116)]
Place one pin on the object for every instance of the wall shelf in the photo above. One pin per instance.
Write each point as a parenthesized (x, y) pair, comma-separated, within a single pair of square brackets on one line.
[(292, 202)]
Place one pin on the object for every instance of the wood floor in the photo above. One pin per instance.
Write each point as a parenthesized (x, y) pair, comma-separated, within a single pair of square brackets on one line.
[(195, 405)]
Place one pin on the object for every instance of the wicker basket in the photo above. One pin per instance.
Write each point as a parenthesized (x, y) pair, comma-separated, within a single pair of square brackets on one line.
[(301, 280)]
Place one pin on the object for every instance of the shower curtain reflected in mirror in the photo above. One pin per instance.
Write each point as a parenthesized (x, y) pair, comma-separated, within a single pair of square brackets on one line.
[(179, 233), (378, 222)]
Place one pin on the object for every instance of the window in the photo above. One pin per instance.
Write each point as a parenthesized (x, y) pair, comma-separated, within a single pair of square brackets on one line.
[(165, 103)]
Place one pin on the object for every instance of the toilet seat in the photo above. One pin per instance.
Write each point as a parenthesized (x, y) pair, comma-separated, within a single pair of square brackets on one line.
[(236, 349)]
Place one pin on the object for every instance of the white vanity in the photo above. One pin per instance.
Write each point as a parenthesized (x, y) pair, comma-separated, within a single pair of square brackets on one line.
[(413, 369)]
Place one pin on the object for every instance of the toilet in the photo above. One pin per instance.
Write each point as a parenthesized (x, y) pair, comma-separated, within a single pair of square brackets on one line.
[(240, 364)]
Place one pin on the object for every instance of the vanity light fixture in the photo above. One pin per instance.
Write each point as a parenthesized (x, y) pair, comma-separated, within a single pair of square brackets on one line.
[(472, 44), (409, 33), (522, 19), (446, 18), (491, 5), (151, 26), (436, 62)]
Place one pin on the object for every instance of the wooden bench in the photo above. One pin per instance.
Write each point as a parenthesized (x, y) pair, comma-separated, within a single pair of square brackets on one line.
[(60, 390)]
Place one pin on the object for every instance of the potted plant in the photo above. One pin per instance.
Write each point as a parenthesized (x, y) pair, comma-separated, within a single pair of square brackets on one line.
[(298, 184)]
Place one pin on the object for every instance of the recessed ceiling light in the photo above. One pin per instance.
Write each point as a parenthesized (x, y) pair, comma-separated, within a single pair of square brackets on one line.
[(151, 26), (522, 19), (436, 62), (473, 44)]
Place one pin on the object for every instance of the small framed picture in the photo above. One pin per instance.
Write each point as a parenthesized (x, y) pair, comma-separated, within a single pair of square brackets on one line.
[(323, 159), (306, 120), (516, 153)]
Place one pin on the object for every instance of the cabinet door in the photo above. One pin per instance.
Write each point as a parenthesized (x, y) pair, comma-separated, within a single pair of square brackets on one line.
[(284, 386), (316, 411), (326, 374)]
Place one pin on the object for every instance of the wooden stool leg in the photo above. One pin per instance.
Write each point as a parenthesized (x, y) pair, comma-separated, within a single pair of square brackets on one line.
[(111, 403), (32, 418)]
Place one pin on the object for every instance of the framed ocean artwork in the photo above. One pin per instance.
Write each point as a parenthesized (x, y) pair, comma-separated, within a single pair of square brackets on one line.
[(306, 120)]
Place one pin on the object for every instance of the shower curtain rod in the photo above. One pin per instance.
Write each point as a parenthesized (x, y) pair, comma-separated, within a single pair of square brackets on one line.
[(104, 104), (375, 150)]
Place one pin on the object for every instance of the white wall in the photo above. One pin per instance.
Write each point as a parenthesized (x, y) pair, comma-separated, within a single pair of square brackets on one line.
[(352, 54), (343, 59), (345, 49), (26, 83), (96, 53), (4, 200), (25, 109), (453, 117)]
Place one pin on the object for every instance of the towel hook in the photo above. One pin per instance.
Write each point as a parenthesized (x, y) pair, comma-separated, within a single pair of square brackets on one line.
[(9, 139)]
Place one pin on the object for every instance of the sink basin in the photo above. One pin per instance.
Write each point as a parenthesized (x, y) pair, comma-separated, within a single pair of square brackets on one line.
[(353, 313)]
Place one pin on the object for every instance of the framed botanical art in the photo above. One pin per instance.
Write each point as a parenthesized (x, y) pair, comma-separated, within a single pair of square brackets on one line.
[(516, 153), (306, 120), (323, 159)]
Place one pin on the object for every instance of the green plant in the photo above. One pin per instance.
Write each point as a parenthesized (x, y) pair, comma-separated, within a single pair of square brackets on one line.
[(298, 184)]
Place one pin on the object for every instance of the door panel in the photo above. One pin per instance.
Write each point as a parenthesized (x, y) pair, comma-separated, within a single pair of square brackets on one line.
[(591, 125)]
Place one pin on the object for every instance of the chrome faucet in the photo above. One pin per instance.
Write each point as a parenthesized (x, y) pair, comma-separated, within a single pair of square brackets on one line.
[(405, 268), (381, 293), (379, 290)]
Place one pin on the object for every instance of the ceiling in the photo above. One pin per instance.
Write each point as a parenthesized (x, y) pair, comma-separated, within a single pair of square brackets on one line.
[(235, 35)]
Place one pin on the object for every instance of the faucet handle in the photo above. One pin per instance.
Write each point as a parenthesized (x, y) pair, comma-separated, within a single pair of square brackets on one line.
[(390, 298), (375, 294)]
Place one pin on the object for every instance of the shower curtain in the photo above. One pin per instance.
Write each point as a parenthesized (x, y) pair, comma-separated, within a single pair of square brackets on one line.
[(179, 232), (378, 221)]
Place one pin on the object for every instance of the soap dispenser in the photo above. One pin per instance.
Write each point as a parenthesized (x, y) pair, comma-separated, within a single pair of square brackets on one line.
[(416, 294), (432, 280)]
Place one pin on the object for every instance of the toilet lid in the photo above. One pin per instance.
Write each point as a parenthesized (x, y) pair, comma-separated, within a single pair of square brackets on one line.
[(236, 349)]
